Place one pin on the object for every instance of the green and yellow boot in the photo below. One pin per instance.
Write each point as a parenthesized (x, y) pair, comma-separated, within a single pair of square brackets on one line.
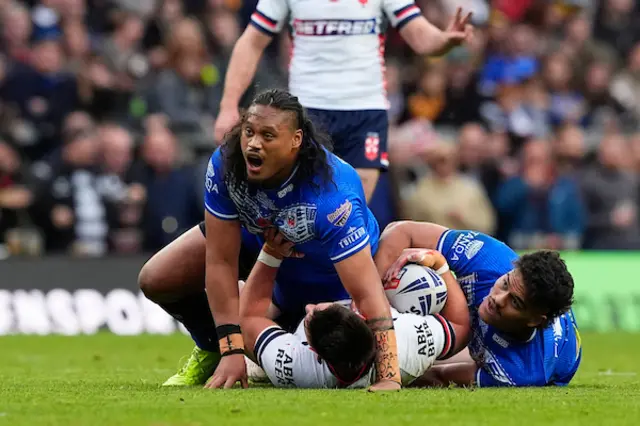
[(196, 370)]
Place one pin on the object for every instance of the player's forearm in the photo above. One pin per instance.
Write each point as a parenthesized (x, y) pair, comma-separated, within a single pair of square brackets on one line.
[(456, 312), (255, 297), (461, 374), (378, 313), (242, 68), (222, 292), (425, 38)]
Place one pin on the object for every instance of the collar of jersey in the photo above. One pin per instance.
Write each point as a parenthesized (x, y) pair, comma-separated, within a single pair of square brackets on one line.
[(290, 178)]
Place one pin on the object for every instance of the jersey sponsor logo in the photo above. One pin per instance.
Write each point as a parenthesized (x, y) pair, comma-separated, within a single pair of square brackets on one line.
[(283, 368), (466, 245), (287, 189), (426, 341), (340, 216), (208, 180), (352, 237), (335, 27), (372, 146)]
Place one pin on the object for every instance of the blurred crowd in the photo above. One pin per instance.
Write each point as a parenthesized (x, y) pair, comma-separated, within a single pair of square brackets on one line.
[(530, 133)]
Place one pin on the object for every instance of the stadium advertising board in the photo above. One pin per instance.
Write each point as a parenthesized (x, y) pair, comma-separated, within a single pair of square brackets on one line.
[(77, 296)]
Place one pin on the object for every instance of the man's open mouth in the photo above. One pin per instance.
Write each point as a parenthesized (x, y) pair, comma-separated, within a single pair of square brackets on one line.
[(254, 162)]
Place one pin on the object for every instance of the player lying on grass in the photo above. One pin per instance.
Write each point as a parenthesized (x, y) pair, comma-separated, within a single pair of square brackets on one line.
[(333, 347), (523, 330)]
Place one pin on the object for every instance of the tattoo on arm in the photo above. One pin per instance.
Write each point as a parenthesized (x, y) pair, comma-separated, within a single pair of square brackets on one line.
[(380, 324), (387, 367)]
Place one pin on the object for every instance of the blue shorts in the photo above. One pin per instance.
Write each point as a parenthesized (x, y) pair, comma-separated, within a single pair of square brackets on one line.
[(359, 137)]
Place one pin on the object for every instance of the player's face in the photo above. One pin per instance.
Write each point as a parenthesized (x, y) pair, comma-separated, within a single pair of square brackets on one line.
[(506, 308), (270, 144)]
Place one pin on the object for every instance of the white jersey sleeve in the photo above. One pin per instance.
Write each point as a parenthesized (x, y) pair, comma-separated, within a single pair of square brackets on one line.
[(421, 341), (270, 16), (288, 361), (400, 12)]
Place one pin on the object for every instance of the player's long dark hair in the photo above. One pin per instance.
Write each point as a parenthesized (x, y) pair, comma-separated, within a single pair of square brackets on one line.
[(312, 158)]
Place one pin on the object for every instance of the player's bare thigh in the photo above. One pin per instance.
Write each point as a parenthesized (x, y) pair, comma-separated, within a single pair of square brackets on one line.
[(369, 178), (177, 269)]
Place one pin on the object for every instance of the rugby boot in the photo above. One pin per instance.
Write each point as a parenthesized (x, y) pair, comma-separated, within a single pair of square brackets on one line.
[(196, 370)]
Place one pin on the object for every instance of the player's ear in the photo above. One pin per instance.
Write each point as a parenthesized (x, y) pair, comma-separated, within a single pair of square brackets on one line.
[(536, 320), (297, 139)]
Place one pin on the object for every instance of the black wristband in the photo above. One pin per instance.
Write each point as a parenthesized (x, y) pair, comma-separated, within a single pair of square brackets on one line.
[(227, 329), (232, 352)]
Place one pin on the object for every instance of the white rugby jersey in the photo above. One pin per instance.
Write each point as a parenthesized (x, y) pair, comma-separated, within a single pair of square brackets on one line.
[(288, 360), (337, 58)]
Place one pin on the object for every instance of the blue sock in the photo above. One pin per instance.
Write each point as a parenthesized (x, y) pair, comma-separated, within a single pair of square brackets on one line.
[(194, 313)]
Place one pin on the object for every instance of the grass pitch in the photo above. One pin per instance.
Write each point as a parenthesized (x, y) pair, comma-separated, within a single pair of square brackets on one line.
[(110, 380)]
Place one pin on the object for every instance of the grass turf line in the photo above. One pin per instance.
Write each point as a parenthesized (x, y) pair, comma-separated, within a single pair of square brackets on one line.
[(110, 380)]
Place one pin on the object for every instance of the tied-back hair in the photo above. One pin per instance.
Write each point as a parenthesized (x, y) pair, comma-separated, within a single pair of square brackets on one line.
[(313, 163)]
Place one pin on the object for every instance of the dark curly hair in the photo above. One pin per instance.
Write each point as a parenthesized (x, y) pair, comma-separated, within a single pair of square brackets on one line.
[(312, 158), (343, 340), (548, 283)]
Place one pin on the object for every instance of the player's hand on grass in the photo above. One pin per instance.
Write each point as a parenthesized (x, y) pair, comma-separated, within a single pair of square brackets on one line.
[(227, 118), (459, 29), (385, 385), (426, 257), (231, 369), (276, 245)]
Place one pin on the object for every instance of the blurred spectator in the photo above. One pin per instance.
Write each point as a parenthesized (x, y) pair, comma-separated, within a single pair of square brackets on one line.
[(68, 205), (428, 101), (541, 209), (611, 195), (123, 199), (625, 88), (190, 90), (121, 50), (514, 65), (40, 95), (165, 217), (616, 23), (462, 100), (566, 104), (448, 198), (16, 31), (570, 150)]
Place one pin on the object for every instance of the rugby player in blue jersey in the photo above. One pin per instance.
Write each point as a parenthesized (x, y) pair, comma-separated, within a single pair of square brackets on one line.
[(273, 171), (523, 330)]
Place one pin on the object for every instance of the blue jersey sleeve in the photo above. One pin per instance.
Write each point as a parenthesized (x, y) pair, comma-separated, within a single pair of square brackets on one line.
[(341, 226), (469, 252), (216, 196)]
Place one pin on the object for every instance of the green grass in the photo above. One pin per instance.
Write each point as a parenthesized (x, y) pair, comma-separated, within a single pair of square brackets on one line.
[(110, 380)]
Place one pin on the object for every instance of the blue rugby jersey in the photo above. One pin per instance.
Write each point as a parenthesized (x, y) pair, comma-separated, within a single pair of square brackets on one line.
[(550, 357), (328, 225)]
